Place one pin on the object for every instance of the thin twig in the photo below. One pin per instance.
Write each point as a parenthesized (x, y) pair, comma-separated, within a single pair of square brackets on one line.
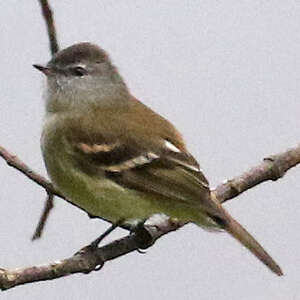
[(48, 17), (43, 219), (13, 161), (272, 168), (50, 25)]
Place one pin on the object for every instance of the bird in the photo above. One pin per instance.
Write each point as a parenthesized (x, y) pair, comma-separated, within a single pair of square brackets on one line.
[(115, 158)]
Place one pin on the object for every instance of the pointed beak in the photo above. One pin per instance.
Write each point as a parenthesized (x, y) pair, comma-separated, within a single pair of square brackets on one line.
[(46, 70)]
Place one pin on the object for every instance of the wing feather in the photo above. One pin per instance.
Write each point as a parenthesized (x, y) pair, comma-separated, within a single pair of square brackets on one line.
[(165, 172)]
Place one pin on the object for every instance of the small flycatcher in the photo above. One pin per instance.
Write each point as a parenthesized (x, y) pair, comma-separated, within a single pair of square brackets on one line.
[(115, 158)]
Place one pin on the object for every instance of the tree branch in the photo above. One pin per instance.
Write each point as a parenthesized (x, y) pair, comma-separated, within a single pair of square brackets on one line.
[(272, 168), (42, 222), (87, 260), (13, 161), (48, 17), (53, 44)]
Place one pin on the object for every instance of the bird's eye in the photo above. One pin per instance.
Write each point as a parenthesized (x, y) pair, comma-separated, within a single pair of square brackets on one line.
[(79, 71)]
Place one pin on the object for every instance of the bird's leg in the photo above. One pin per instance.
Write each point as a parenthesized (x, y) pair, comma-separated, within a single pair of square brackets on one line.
[(97, 241), (94, 244)]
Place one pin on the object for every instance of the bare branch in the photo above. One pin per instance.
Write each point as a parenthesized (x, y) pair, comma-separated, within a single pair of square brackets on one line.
[(48, 16), (13, 161), (50, 25), (43, 219), (272, 168), (86, 261)]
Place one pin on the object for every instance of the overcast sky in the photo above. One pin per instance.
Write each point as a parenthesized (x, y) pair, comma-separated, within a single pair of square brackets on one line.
[(226, 73)]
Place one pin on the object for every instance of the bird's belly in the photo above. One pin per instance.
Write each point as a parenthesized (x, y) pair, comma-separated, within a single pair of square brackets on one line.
[(101, 197)]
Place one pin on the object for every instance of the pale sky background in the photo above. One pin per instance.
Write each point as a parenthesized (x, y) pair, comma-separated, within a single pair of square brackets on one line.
[(227, 74)]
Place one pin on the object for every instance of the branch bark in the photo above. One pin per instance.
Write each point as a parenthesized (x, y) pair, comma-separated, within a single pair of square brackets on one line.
[(48, 17), (87, 260), (53, 44), (44, 216), (272, 168)]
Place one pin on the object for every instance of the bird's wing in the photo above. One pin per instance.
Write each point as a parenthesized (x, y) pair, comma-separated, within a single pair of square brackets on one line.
[(157, 163), (164, 171)]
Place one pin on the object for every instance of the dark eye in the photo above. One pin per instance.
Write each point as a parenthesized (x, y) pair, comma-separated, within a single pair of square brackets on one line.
[(79, 71)]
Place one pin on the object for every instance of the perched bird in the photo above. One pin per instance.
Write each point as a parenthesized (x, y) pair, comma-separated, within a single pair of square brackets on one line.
[(115, 158)]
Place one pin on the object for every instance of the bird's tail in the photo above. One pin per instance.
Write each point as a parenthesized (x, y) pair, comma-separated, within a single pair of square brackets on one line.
[(245, 238)]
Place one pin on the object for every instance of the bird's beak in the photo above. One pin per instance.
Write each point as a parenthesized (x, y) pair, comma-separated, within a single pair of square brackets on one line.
[(46, 70)]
